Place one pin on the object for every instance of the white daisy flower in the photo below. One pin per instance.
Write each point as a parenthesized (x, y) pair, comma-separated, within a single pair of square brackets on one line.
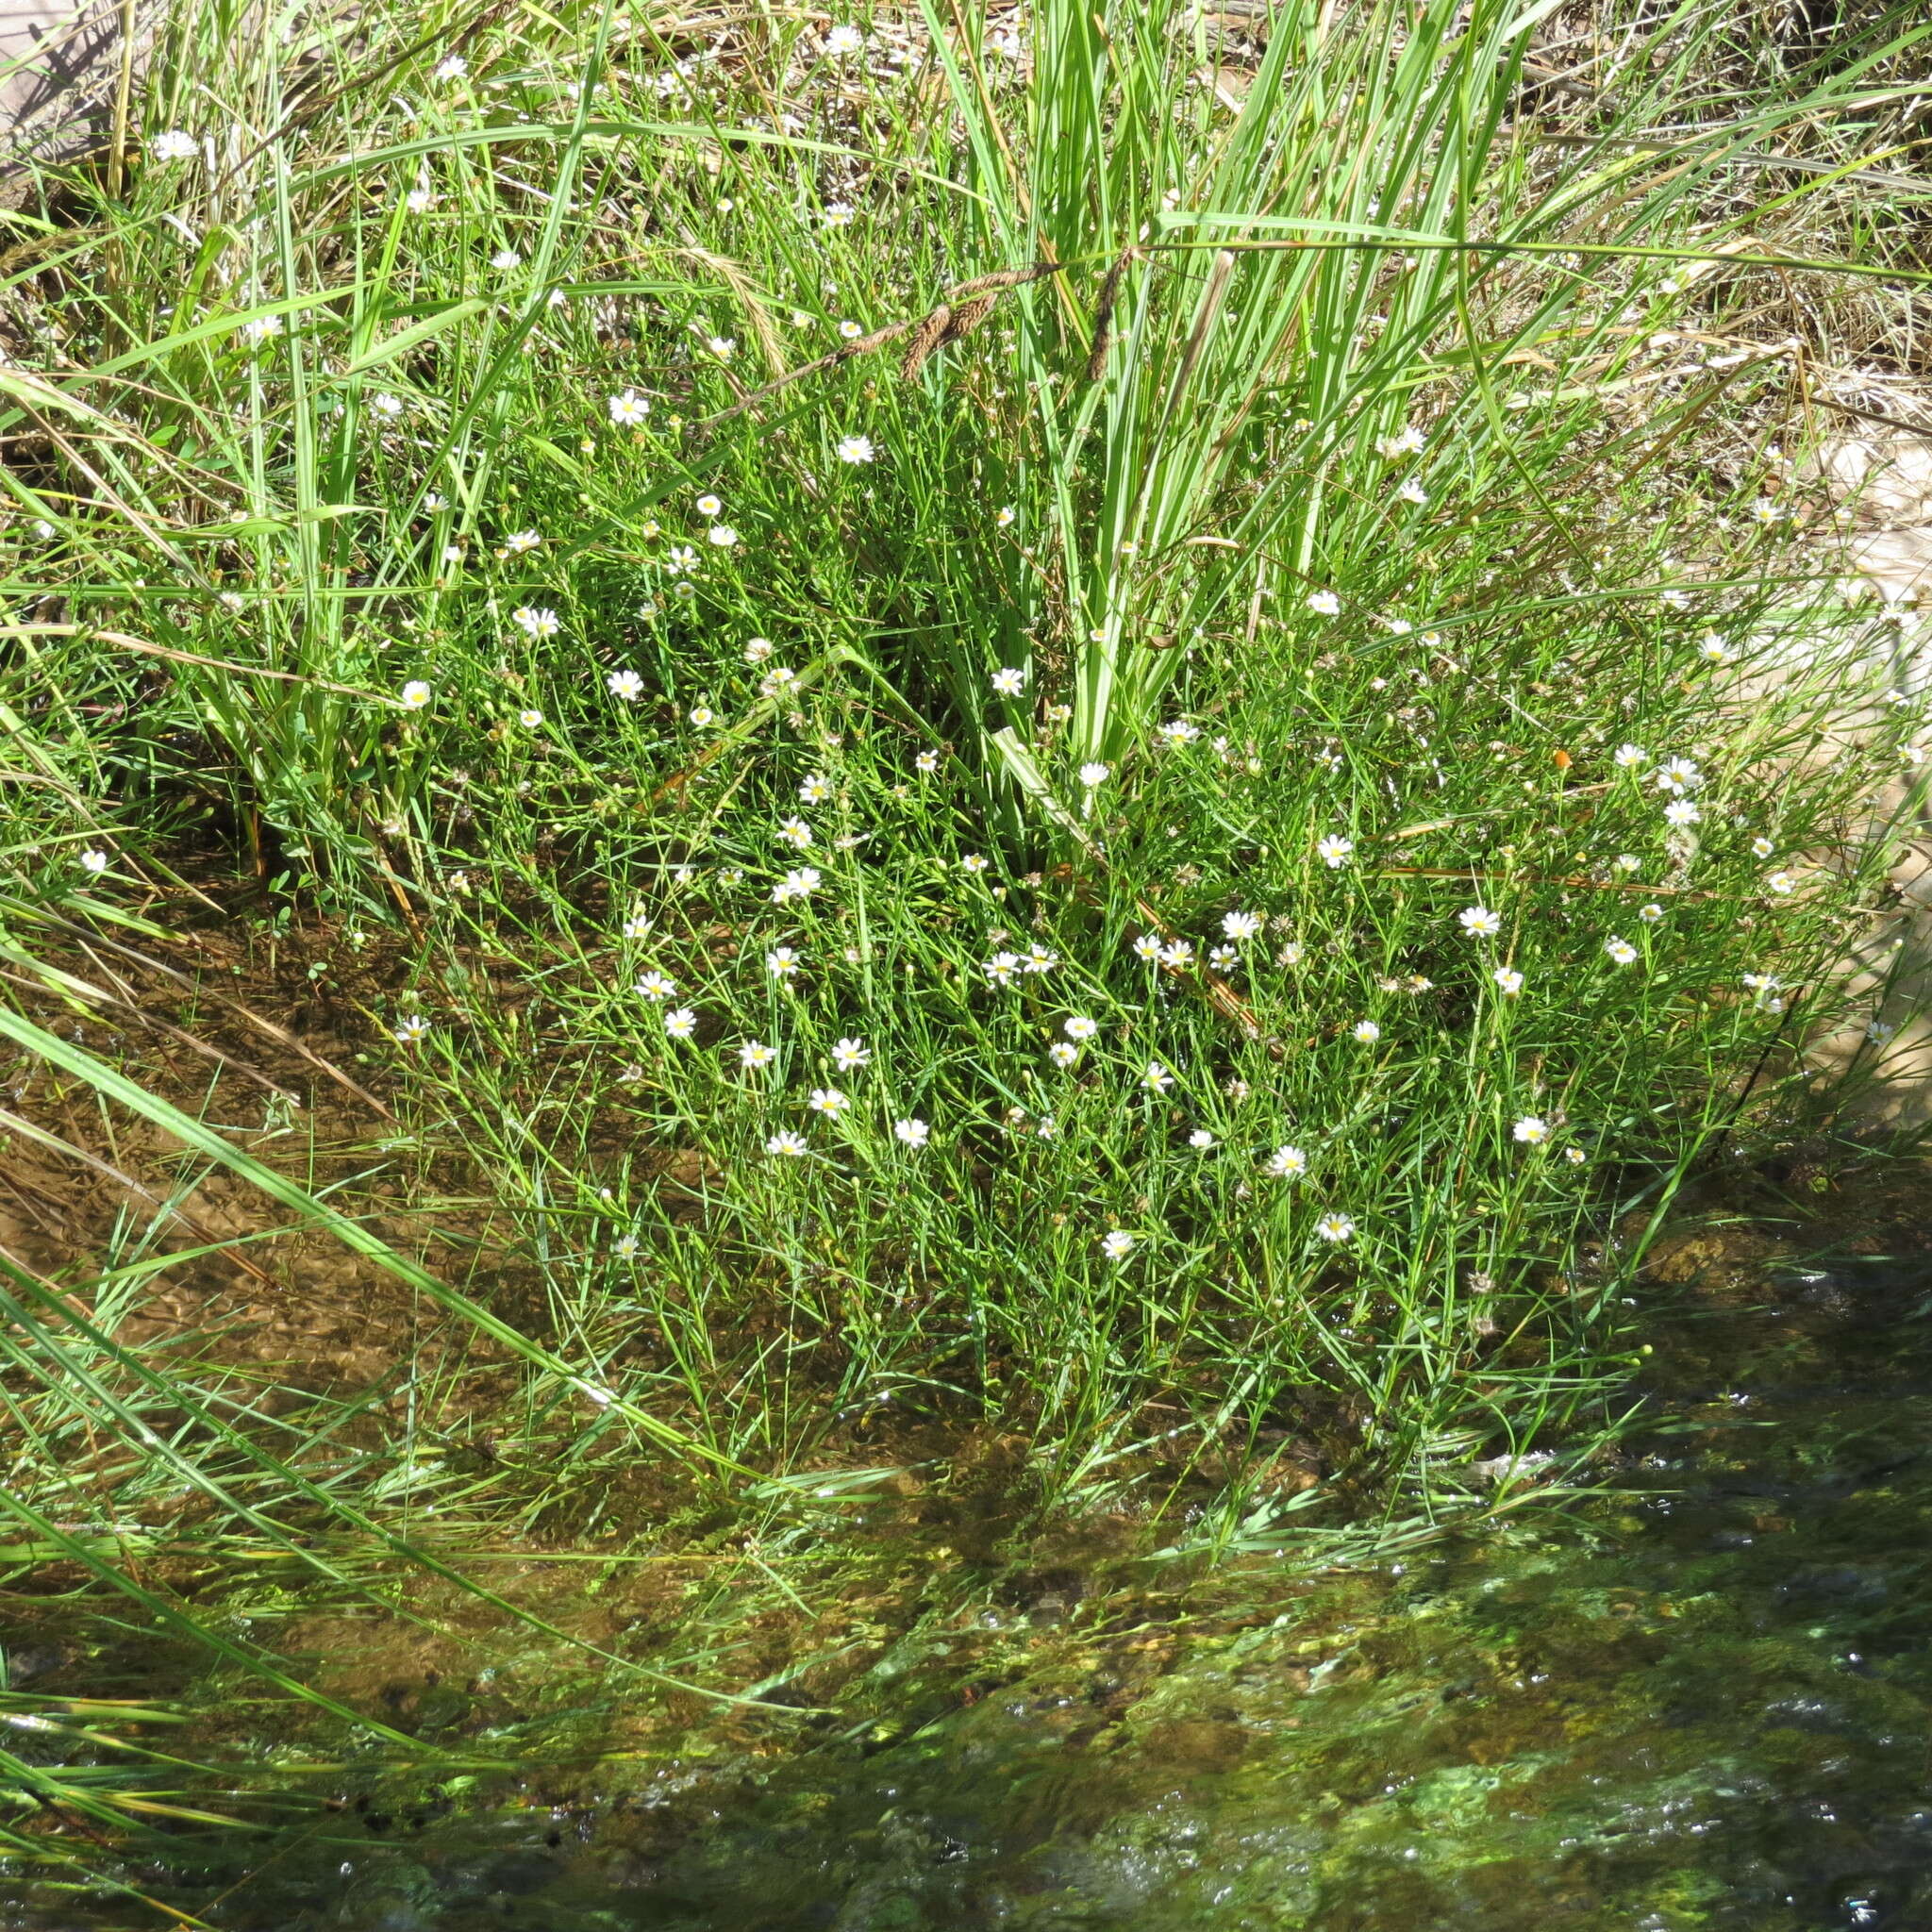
[(654, 985), (848, 1053), (754, 1054), (1479, 923), (1063, 1053), (520, 541), (1621, 950), (625, 685), (451, 67), (781, 962), (1334, 851), (1240, 926), (416, 695), (414, 1028), (1509, 980), (827, 1099), (1156, 1079), (912, 1133), (856, 449), (1781, 883), (172, 144), (1147, 946), (680, 1023), (1334, 1227), (629, 409), (1118, 1245), (1367, 1032), (1324, 603), (536, 622), (1009, 680), (1287, 1163), (786, 1143), (93, 861), (795, 832), (530, 719), (973, 863), (928, 761), (1681, 812), (1532, 1130), (505, 259), (1078, 1026), (1092, 775), (1631, 758), (815, 790), (799, 884)]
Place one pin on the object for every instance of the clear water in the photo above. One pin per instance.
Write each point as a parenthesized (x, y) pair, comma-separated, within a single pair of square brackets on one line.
[(1703, 1701)]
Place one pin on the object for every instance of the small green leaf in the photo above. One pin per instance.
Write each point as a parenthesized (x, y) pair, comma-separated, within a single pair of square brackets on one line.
[(415, 336)]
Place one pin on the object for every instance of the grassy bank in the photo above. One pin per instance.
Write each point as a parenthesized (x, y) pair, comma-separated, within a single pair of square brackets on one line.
[(1090, 745)]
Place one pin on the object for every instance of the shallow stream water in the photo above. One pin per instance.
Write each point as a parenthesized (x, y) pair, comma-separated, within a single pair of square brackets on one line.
[(1702, 1700)]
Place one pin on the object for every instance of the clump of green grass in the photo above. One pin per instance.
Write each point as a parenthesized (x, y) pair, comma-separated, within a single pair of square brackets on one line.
[(1066, 729)]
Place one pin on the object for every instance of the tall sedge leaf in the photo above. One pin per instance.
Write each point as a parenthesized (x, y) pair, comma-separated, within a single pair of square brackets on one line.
[(115, 1086), (78, 1384)]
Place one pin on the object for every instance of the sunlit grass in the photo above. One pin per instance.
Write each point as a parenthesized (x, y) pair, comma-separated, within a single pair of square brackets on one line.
[(1058, 726)]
